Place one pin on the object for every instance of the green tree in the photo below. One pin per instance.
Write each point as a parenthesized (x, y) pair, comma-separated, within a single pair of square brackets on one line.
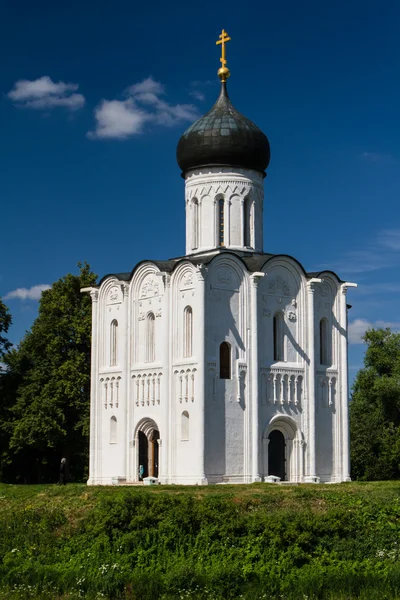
[(51, 413), (375, 409), (5, 322)]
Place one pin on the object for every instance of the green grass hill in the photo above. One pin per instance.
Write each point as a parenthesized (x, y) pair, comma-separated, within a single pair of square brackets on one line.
[(223, 542)]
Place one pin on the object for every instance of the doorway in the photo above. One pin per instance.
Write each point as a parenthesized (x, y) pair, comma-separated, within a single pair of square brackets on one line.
[(277, 454), (148, 455)]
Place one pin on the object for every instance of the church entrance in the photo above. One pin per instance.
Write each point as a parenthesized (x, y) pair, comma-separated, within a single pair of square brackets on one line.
[(148, 449), (276, 454)]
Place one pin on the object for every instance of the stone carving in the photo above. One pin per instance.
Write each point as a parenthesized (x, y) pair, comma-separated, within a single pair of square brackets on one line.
[(278, 286), (142, 316), (114, 295), (224, 276), (187, 279), (267, 313), (324, 290), (150, 288), (159, 313), (292, 316)]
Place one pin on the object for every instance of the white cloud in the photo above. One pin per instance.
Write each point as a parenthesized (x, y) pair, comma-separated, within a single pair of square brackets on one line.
[(197, 95), (43, 93), (33, 293), (390, 238), (358, 327), (379, 158), (379, 253), (143, 105)]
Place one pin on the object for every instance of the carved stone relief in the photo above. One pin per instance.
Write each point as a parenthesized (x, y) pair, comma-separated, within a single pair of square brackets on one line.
[(278, 286), (114, 296), (150, 288)]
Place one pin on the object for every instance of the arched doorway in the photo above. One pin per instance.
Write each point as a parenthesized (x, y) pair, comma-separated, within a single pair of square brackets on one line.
[(277, 454), (147, 456)]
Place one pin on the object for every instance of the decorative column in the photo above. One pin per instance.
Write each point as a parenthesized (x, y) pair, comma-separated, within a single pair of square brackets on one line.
[(255, 438), (311, 476), (344, 368), (95, 408), (125, 400), (164, 395), (201, 387)]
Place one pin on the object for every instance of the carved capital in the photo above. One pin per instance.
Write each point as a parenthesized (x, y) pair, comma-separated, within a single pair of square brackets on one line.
[(256, 278), (94, 294), (125, 289), (201, 271)]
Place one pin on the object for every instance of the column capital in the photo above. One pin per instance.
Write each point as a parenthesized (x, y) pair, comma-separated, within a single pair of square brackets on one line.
[(346, 285), (311, 284), (256, 278), (166, 277), (201, 271)]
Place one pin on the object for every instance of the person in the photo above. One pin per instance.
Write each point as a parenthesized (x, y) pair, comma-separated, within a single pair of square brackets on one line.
[(141, 472), (63, 471)]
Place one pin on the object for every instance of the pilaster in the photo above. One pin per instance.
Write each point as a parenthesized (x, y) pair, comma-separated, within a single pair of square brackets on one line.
[(201, 397), (255, 426)]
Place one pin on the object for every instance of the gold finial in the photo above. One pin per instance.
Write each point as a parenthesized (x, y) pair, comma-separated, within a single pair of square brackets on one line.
[(223, 72)]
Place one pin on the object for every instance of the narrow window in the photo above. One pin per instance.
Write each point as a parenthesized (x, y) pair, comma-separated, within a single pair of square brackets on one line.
[(187, 332), (278, 337), (113, 343), (150, 343), (225, 361), (113, 430), (221, 226), (195, 215), (247, 222), (185, 426), (324, 354)]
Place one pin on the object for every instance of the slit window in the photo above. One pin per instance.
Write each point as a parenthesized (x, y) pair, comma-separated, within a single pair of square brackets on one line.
[(279, 337), (221, 224), (225, 361), (324, 354), (113, 343), (150, 342), (188, 332)]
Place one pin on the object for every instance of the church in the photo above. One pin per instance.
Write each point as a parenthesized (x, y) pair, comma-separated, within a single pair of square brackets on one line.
[(227, 364)]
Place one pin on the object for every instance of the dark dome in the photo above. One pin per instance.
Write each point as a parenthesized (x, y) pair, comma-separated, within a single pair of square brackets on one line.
[(223, 137)]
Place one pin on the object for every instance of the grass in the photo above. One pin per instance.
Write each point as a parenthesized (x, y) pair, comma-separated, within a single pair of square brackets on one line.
[(256, 541)]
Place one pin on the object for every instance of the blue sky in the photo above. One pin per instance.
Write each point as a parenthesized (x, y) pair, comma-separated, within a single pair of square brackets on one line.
[(95, 95)]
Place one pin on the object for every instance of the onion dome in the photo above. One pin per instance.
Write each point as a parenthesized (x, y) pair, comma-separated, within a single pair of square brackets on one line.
[(224, 138)]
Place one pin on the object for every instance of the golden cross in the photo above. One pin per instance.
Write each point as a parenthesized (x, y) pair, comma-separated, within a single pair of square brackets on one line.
[(223, 39)]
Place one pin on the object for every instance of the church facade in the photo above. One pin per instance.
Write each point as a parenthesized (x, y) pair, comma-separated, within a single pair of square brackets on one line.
[(227, 364)]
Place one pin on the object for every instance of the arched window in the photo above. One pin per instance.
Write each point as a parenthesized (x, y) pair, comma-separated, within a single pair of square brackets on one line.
[(247, 222), (185, 426), (225, 361), (113, 430), (324, 349), (221, 225), (113, 343), (279, 337), (150, 341), (187, 332), (196, 224)]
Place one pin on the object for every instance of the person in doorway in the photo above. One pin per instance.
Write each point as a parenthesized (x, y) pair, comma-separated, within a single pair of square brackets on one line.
[(63, 472), (141, 472)]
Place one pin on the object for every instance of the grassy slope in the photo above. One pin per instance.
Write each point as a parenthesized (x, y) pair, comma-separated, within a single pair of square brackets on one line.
[(254, 541)]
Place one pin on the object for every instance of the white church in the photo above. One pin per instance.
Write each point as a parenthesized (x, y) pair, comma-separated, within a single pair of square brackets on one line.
[(227, 364)]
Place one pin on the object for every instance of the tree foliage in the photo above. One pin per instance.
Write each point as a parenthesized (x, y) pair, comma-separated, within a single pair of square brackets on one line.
[(375, 409), (5, 322), (47, 385)]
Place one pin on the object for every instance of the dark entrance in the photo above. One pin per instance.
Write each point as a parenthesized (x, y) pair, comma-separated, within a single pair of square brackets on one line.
[(148, 452), (144, 453), (276, 454)]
